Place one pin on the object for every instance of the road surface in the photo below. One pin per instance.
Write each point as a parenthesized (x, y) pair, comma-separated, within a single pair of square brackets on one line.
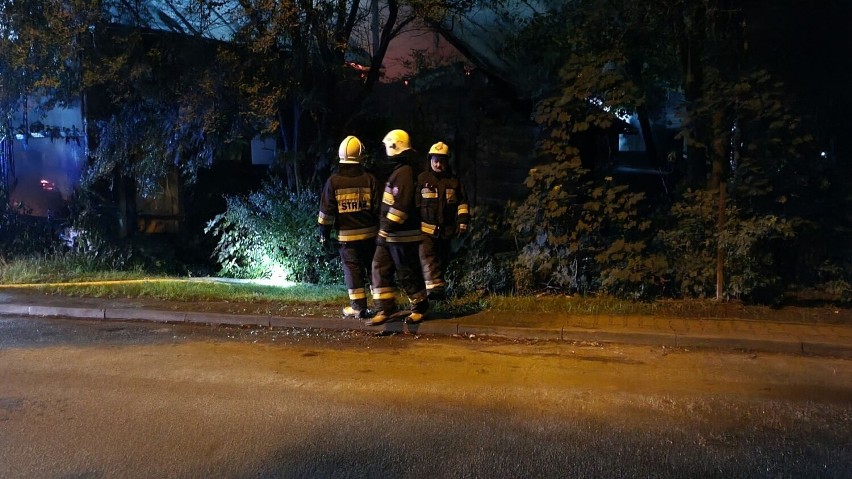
[(95, 399)]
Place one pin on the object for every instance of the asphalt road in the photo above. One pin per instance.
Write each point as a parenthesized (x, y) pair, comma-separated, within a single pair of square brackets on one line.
[(83, 399)]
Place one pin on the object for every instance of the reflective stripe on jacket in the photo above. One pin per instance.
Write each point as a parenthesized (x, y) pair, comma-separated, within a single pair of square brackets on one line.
[(349, 204), (443, 204), (399, 220)]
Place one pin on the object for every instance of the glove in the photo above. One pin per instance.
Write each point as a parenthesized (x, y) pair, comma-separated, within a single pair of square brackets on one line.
[(461, 229), (380, 240)]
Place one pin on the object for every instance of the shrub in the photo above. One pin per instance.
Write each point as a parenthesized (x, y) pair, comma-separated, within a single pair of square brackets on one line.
[(750, 244), (22, 234), (482, 264), (582, 234), (272, 233), (94, 234)]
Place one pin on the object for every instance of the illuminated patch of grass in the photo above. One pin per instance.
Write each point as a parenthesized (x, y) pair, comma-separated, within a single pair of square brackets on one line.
[(75, 276)]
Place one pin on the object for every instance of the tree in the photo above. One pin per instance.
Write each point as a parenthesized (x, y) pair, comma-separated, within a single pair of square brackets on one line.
[(744, 144), (39, 59), (580, 231), (300, 71), (336, 53)]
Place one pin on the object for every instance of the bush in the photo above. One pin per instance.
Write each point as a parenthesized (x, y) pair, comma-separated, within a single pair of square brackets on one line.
[(22, 234), (583, 234), (750, 245), (94, 234), (481, 266), (273, 233)]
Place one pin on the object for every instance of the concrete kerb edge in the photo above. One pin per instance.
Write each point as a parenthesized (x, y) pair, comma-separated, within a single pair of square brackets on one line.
[(509, 332), (307, 322), (825, 349), (651, 339), (768, 345), (129, 314), (82, 313), (17, 309), (437, 327)]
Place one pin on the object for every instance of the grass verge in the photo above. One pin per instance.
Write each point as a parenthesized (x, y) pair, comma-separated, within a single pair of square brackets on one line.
[(77, 279)]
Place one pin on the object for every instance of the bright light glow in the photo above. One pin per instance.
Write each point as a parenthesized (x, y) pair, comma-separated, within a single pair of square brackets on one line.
[(278, 277), (280, 283), (823, 154), (624, 116), (277, 274)]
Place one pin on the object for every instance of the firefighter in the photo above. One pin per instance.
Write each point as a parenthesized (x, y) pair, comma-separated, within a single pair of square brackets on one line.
[(350, 204), (444, 214), (399, 237)]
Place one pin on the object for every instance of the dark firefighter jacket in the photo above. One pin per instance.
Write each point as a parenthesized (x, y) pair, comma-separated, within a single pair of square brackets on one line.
[(443, 205), (349, 204), (399, 220)]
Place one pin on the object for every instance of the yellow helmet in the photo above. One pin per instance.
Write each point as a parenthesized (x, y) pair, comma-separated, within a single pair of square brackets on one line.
[(351, 150), (439, 148), (396, 141)]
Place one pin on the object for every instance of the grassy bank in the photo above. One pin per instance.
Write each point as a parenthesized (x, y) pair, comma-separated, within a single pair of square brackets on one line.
[(55, 277)]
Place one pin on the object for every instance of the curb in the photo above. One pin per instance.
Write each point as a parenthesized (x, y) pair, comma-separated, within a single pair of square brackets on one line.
[(441, 328)]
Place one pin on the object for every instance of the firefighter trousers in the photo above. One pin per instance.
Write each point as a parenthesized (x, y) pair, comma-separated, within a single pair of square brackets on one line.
[(404, 260), (357, 258), (434, 255)]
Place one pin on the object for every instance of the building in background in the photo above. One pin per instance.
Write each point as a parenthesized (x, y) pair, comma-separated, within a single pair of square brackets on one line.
[(45, 158)]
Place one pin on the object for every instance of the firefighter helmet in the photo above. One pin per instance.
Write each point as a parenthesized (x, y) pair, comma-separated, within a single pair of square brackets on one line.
[(351, 150), (396, 141), (439, 148)]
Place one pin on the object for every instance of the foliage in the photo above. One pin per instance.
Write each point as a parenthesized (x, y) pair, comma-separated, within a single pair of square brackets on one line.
[(39, 46), (159, 100), (627, 57), (272, 232), (690, 244), (93, 237), (39, 67), (580, 235), (85, 246), (835, 280), (58, 267), (748, 242), (581, 231), (89, 244), (158, 103), (21, 233), (757, 149), (478, 267)]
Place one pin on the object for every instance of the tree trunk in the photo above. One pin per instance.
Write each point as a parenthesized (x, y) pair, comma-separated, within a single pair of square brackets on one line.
[(127, 206), (297, 171), (374, 26), (691, 53), (648, 136)]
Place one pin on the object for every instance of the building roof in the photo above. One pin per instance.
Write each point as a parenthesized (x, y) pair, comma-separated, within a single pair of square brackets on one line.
[(214, 20)]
